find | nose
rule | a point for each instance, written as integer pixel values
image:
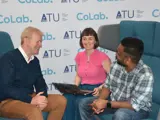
(87, 40)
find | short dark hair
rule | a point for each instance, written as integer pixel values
(133, 47)
(91, 32)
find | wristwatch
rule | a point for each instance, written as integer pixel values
(109, 105)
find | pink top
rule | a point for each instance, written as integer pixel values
(91, 70)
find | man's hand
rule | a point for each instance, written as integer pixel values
(39, 101)
(98, 105)
(42, 106)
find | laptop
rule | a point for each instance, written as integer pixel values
(71, 89)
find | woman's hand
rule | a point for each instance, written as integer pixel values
(96, 91)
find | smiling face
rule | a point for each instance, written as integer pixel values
(88, 42)
(34, 44)
(89, 39)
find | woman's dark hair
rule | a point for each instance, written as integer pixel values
(89, 32)
(133, 47)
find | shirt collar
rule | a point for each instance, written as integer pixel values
(25, 55)
(135, 70)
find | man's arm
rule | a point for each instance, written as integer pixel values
(119, 104)
(106, 88)
(40, 84)
(104, 93)
(7, 77)
(141, 95)
(101, 103)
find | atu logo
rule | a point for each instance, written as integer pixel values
(129, 14)
(14, 19)
(69, 68)
(73, 1)
(35, 1)
(54, 17)
(48, 36)
(55, 53)
(91, 16)
(156, 13)
(48, 71)
(72, 34)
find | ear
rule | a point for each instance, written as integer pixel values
(25, 40)
(129, 60)
(125, 60)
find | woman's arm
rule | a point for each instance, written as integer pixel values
(77, 78)
(106, 65)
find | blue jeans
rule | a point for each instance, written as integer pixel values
(72, 108)
(118, 114)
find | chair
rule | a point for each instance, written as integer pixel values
(5, 46)
(158, 118)
(148, 31)
(5, 43)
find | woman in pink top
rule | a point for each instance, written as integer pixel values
(92, 68)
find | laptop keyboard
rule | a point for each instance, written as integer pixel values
(66, 88)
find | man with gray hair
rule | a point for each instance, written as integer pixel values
(20, 73)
